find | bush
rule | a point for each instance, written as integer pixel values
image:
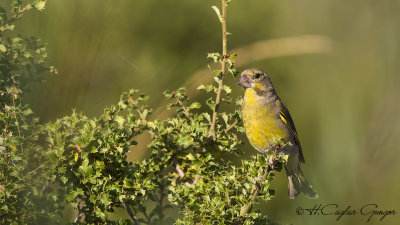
(82, 162)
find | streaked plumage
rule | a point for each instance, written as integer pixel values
(266, 120)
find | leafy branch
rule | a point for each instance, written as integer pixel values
(81, 161)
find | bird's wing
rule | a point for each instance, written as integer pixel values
(287, 119)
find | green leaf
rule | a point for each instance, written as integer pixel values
(207, 116)
(105, 199)
(99, 213)
(39, 5)
(167, 94)
(239, 101)
(128, 183)
(217, 72)
(185, 140)
(201, 87)
(211, 103)
(207, 88)
(215, 56)
(7, 27)
(216, 9)
(225, 117)
(3, 48)
(120, 120)
(234, 72)
(240, 129)
(227, 89)
(64, 179)
(210, 88)
(190, 156)
(27, 112)
(195, 105)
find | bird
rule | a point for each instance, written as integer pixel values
(266, 119)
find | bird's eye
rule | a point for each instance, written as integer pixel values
(257, 75)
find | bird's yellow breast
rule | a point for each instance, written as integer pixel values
(261, 121)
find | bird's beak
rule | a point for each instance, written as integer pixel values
(244, 81)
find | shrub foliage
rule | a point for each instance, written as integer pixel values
(81, 162)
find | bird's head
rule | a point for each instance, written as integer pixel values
(256, 79)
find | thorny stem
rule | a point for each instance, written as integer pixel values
(80, 214)
(17, 123)
(195, 181)
(131, 214)
(145, 214)
(223, 69)
(160, 202)
(227, 197)
(182, 174)
(20, 11)
(141, 116)
(178, 169)
(68, 128)
(185, 110)
(229, 128)
(40, 166)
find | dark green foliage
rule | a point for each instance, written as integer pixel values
(92, 165)
(27, 194)
(82, 162)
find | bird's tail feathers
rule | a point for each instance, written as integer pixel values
(297, 183)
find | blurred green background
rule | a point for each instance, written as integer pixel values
(334, 62)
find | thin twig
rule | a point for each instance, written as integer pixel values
(177, 167)
(134, 102)
(223, 69)
(20, 11)
(160, 201)
(185, 110)
(80, 213)
(131, 214)
(229, 128)
(182, 174)
(189, 184)
(145, 214)
(78, 217)
(228, 199)
(195, 181)
(16, 122)
(141, 116)
(31, 135)
(256, 190)
(36, 169)
(68, 128)
(179, 170)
